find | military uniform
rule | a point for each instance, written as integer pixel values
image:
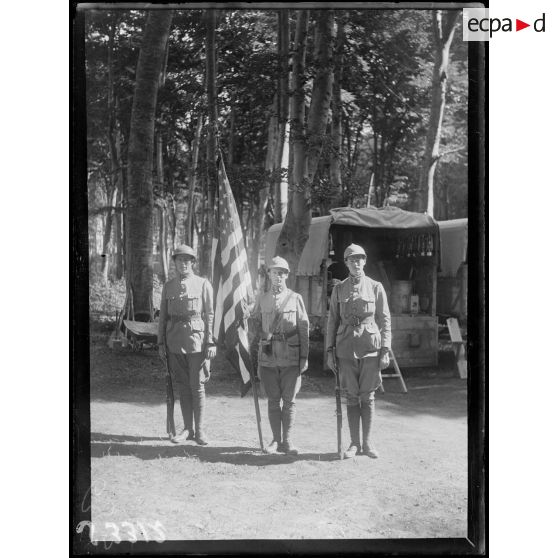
(282, 355)
(186, 325)
(359, 329)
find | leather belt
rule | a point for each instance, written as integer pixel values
(355, 321)
(284, 336)
(178, 319)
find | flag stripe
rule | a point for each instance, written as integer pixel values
(232, 280)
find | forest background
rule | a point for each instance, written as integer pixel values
(309, 109)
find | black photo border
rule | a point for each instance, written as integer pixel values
(477, 407)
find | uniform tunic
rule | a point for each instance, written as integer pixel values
(280, 371)
(186, 315)
(359, 325)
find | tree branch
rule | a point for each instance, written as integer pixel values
(460, 148)
(451, 23)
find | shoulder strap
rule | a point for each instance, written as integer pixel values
(279, 312)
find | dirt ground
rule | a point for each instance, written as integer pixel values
(143, 487)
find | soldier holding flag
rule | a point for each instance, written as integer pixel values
(282, 322)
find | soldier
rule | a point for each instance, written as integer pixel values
(358, 343)
(185, 331)
(281, 319)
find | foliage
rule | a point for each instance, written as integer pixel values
(386, 81)
(106, 300)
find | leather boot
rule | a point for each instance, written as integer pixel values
(353, 418)
(274, 414)
(367, 413)
(187, 413)
(288, 414)
(199, 413)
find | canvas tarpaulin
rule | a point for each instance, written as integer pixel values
(382, 218)
(453, 245)
(317, 246)
(315, 250)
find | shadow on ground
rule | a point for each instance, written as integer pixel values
(445, 398)
(110, 445)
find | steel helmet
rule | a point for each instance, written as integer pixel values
(184, 250)
(354, 250)
(277, 261)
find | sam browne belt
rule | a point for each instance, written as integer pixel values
(355, 321)
(281, 336)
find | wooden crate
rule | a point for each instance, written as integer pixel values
(415, 340)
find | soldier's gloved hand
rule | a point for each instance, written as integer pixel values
(331, 362)
(303, 365)
(210, 352)
(162, 352)
(384, 359)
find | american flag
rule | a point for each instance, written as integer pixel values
(232, 282)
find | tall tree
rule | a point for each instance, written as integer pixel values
(282, 143)
(162, 207)
(294, 232)
(307, 141)
(443, 28)
(321, 90)
(139, 212)
(336, 107)
(210, 86)
(192, 180)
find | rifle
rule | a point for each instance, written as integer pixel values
(255, 388)
(171, 429)
(338, 409)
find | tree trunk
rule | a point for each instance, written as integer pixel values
(356, 149)
(171, 220)
(321, 91)
(111, 186)
(294, 232)
(210, 18)
(192, 181)
(162, 241)
(230, 154)
(263, 197)
(115, 200)
(443, 30)
(120, 244)
(335, 159)
(139, 211)
(281, 184)
(348, 138)
(163, 249)
(380, 175)
(105, 255)
(377, 193)
(118, 235)
(171, 199)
